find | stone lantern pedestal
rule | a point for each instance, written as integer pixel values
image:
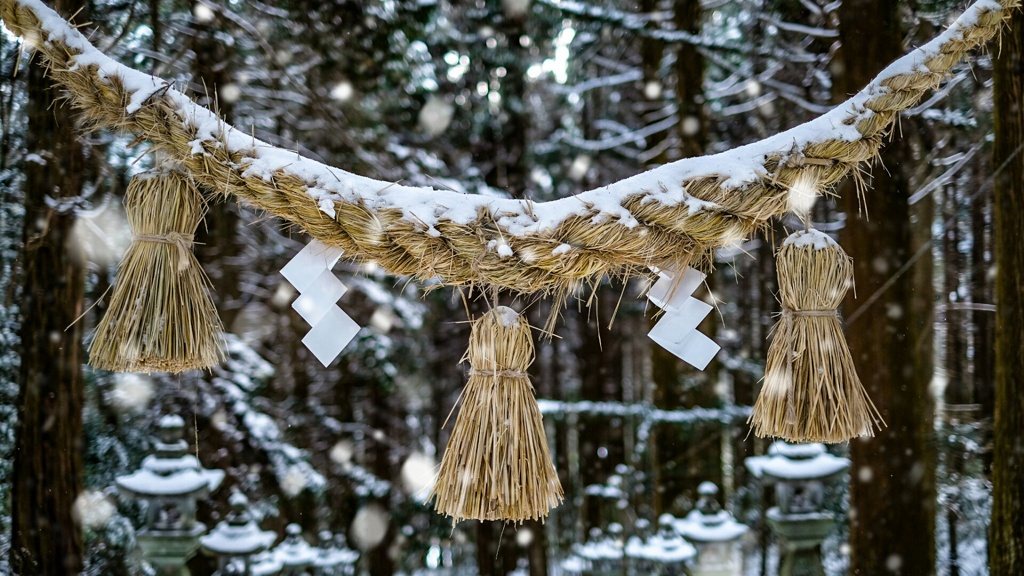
(800, 538)
(167, 552)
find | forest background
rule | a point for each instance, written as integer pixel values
(520, 99)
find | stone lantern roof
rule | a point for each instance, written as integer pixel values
(708, 522)
(294, 552)
(796, 462)
(239, 535)
(170, 471)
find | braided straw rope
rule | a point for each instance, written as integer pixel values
(670, 217)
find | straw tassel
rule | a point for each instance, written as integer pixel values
(161, 316)
(811, 391)
(497, 465)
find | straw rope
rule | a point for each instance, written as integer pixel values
(499, 373)
(648, 226)
(808, 313)
(182, 241)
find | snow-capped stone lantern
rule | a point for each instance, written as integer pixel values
(238, 539)
(333, 557)
(799, 473)
(573, 565)
(294, 554)
(297, 557)
(665, 552)
(602, 552)
(715, 533)
(170, 481)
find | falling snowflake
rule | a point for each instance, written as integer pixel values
(93, 509)
(369, 526)
(435, 116)
(418, 475)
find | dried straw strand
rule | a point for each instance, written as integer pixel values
(497, 465)
(811, 390)
(161, 316)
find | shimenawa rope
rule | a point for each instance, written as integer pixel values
(649, 227)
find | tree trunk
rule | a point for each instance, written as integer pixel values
(1006, 542)
(381, 561)
(675, 469)
(217, 242)
(690, 81)
(599, 353)
(959, 388)
(983, 321)
(892, 502)
(45, 536)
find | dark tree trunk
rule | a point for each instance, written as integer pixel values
(512, 142)
(599, 353)
(675, 469)
(892, 508)
(690, 82)
(485, 556)
(959, 389)
(45, 536)
(217, 244)
(983, 321)
(156, 24)
(1006, 542)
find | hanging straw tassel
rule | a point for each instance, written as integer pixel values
(811, 391)
(497, 465)
(161, 316)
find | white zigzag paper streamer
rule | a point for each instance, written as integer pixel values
(310, 272)
(676, 331)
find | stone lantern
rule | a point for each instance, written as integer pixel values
(297, 558)
(333, 557)
(601, 553)
(799, 473)
(294, 554)
(664, 553)
(238, 539)
(169, 482)
(715, 533)
(573, 565)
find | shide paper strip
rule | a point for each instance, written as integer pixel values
(695, 348)
(669, 294)
(330, 335)
(314, 303)
(309, 263)
(677, 330)
(319, 290)
(678, 323)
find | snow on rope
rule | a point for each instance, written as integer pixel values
(671, 216)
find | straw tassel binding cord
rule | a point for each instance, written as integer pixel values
(497, 465)
(161, 316)
(811, 391)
